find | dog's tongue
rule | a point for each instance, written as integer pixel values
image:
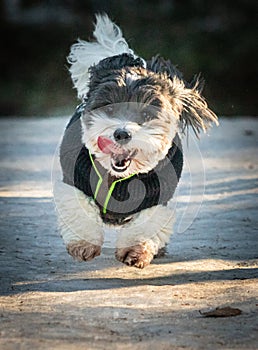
(107, 146)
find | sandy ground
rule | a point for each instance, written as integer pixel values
(48, 301)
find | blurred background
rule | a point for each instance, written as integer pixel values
(217, 38)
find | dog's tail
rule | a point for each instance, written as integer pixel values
(109, 42)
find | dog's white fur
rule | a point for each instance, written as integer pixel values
(80, 223)
(109, 42)
(78, 215)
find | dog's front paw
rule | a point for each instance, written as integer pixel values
(139, 255)
(83, 250)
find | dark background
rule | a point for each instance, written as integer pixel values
(217, 38)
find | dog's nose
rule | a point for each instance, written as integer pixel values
(122, 136)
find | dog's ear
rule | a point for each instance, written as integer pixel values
(195, 110)
(192, 107)
(186, 97)
(158, 64)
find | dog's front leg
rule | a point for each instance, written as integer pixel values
(79, 222)
(145, 236)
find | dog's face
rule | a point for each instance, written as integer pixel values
(133, 114)
(130, 137)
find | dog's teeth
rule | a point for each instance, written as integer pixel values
(121, 165)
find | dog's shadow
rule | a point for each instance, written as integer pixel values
(121, 278)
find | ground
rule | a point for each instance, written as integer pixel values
(48, 301)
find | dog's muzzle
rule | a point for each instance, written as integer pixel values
(120, 158)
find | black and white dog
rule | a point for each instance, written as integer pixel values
(121, 153)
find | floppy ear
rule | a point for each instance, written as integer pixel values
(186, 98)
(194, 110)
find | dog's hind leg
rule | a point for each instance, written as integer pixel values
(79, 222)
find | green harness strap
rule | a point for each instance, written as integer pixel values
(111, 189)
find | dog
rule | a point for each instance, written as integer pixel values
(121, 154)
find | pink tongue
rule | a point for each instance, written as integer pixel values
(108, 146)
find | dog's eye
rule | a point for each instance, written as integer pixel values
(109, 109)
(147, 116)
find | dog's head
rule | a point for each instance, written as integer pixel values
(133, 112)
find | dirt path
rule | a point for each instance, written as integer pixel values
(48, 301)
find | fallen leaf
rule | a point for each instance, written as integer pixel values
(222, 312)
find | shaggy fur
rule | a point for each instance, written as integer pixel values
(132, 112)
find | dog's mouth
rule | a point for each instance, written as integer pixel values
(120, 158)
(120, 162)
